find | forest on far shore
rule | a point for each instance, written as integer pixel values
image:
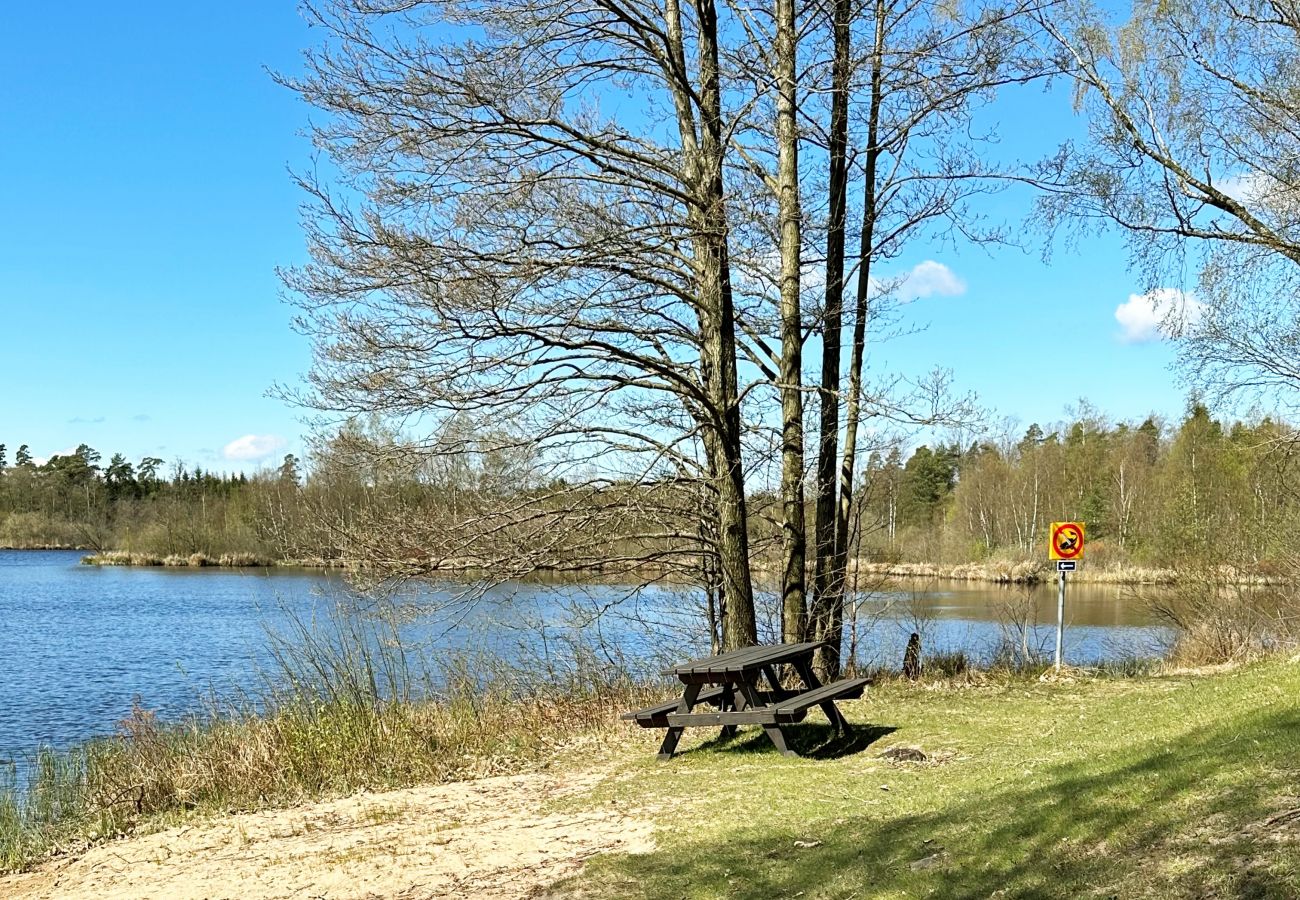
(1152, 494)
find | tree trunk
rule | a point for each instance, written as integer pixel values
(832, 327)
(828, 657)
(739, 626)
(793, 529)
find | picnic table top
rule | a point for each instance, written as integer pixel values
(744, 660)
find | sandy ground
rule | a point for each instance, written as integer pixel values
(490, 838)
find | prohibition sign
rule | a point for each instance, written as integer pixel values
(1067, 540)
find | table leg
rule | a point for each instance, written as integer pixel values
(779, 691)
(669, 746)
(832, 712)
(729, 700)
(773, 679)
(749, 689)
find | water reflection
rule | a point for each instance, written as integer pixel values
(79, 642)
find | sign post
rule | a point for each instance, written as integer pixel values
(1066, 548)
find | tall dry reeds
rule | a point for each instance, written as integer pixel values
(1219, 619)
(344, 708)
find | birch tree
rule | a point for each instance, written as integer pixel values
(1194, 152)
(917, 71)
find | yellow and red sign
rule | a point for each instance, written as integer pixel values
(1066, 541)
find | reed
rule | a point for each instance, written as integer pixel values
(343, 709)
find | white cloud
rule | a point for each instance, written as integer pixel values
(42, 460)
(252, 447)
(925, 279)
(1161, 313)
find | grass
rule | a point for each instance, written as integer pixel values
(346, 709)
(1114, 784)
(1036, 570)
(152, 773)
(1173, 786)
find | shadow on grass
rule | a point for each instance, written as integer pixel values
(1176, 817)
(812, 740)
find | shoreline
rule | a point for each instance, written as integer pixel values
(204, 561)
(579, 810)
(1032, 572)
(1000, 572)
(36, 548)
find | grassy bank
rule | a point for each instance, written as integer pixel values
(10, 545)
(1035, 571)
(305, 745)
(1175, 786)
(994, 572)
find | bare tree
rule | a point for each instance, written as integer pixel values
(794, 530)
(492, 242)
(532, 216)
(767, 148)
(922, 69)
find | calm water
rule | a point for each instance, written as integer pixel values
(78, 643)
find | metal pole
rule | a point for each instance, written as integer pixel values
(1060, 616)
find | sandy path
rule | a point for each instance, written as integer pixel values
(488, 838)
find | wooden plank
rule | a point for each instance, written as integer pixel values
(710, 664)
(691, 665)
(777, 737)
(847, 688)
(775, 654)
(743, 659)
(833, 714)
(653, 716)
(673, 735)
(763, 715)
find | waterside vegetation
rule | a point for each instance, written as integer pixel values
(1196, 800)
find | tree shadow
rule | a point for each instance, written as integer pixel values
(1155, 817)
(810, 740)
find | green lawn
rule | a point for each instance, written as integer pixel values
(1144, 787)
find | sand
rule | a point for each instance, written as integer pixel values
(490, 838)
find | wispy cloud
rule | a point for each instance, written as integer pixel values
(79, 420)
(1158, 314)
(253, 447)
(1247, 187)
(1261, 190)
(141, 417)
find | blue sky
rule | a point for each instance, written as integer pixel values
(147, 202)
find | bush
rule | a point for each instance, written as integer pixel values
(1217, 619)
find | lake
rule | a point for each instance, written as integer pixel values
(79, 643)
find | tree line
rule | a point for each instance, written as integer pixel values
(1200, 492)
(75, 500)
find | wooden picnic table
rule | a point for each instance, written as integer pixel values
(729, 682)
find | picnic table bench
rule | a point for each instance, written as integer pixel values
(729, 683)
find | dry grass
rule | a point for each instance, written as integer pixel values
(299, 751)
(347, 707)
(1218, 621)
(1033, 571)
(232, 560)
